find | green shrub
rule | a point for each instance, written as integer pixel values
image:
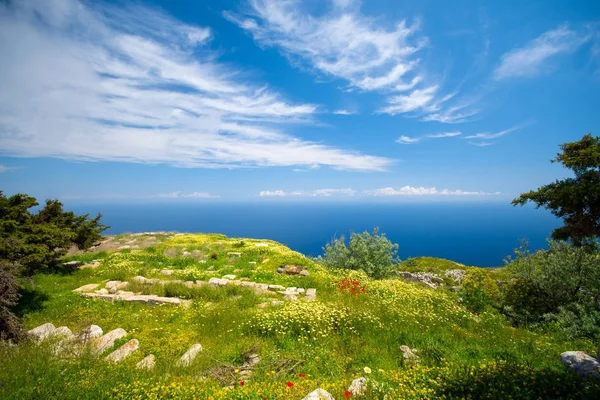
(372, 253)
(479, 290)
(561, 284)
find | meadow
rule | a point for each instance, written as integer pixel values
(354, 328)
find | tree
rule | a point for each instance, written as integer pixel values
(372, 253)
(575, 200)
(32, 243)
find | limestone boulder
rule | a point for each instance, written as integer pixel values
(190, 355)
(108, 340)
(581, 363)
(319, 394)
(147, 363)
(358, 386)
(123, 351)
(42, 332)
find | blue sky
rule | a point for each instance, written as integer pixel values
(293, 100)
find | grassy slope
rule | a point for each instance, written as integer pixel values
(330, 340)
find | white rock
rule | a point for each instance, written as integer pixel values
(167, 272)
(190, 355)
(107, 341)
(42, 331)
(123, 351)
(276, 287)
(64, 332)
(87, 288)
(139, 279)
(319, 394)
(164, 300)
(358, 386)
(581, 363)
(410, 358)
(229, 277)
(262, 244)
(233, 253)
(91, 332)
(147, 363)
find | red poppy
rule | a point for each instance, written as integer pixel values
(347, 394)
(242, 383)
(302, 375)
(289, 384)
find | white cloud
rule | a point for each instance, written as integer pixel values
(422, 191)
(418, 99)
(529, 59)
(407, 140)
(344, 112)
(411, 140)
(313, 193)
(191, 195)
(135, 85)
(489, 135)
(444, 135)
(482, 144)
(341, 42)
(4, 169)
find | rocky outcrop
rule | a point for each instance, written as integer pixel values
(427, 278)
(582, 363)
(319, 394)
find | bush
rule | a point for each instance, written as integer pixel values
(561, 284)
(372, 253)
(10, 327)
(479, 290)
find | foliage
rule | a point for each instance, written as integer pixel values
(479, 290)
(372, 253)
(558, 284)
(10, 327)
(461, 354)
(30, 243)
(37, 241)
(576, 200)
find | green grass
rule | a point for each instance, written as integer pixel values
(329, 341)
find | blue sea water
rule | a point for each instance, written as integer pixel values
(474, 234)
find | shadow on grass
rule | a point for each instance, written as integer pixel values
(31, 300)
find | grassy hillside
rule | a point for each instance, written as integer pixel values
(302, 344)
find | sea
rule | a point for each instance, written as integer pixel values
(478, 234)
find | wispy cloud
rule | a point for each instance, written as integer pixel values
(132, 84)
(411, 140)
(482, 144)
(496, 135)
(191, 195)
(344, 112)
(312, 193)
(4, 168)
(529, 60)
(422, 191)
(366, 52)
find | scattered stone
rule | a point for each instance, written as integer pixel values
(186, 254)
(233, 253)
(311, 294)
(124, 247)
(73, 264)
(262, 244)
(319, 394)
(189, 356)
(139, 279)
(455, 288)
(123, 351)
(457, 274)
(277, 303)
(248, 284)
(164, 300)
(252, 262)
(409, 356)
(91, 332)
(300, 290)
(290, 269)
(290, 297)
(261, 287)
(87, 288)
(92, 265)
(167, 272)
(275, 287)
(263, 305)
(189, 284)
(304, 272)
(122, 295)
(102, 291)
(64, 332)
(108, 340)
(427, 278)
(217, 282)
(230, 277)
(581, 363)
(358, 386)
(147, 363)
(42, 332)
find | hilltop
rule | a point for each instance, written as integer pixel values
(271, 323)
